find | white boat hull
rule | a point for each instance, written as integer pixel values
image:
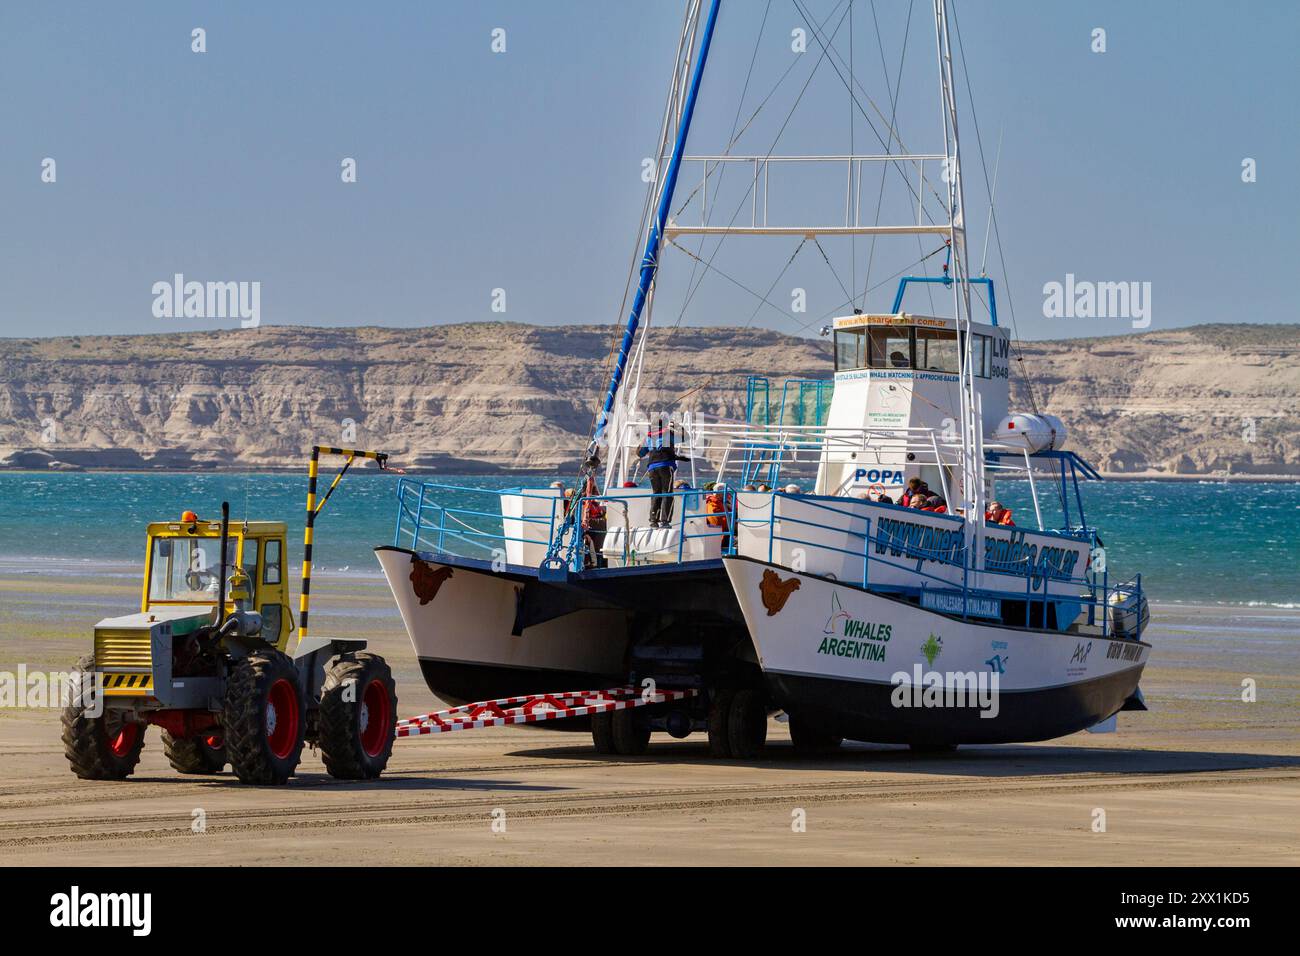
(463, 627)
(833, 653)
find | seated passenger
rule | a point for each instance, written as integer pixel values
(792, 489)
(898, 360)
(917, 501)
(996, 514)
(936, 504)
(763, 488)
(915, 486)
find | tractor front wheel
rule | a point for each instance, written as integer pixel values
(204, 754)
(357, 722)
(103, 747)
(264, 719)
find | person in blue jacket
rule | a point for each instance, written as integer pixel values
(660, 453)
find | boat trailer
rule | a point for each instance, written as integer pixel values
(534, 708)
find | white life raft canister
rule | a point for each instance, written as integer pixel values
(1035, 432)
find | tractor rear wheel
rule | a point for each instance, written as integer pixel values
(747, 724)
(203, 754)
(630, 737)
(357, 722)
(264, 718)
(106, 747)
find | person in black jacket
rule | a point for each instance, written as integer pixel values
(660, 453)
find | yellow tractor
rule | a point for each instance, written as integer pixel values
(207, 659)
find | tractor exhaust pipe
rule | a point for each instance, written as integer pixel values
(221, 583)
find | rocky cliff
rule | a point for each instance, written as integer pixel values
(1213, 399)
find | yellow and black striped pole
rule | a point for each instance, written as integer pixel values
(313, 509)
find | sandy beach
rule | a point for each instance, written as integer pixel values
(1203, 778)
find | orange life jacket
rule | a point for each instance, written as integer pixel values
(717, 511)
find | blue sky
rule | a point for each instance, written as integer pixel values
(521, 170)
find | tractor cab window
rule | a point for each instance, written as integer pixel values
(271, 562)
(250, 565)
(187, 569)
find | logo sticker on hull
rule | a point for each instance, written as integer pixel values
(1079, 660)
(426, 580)
(932, 648)
(776, 592)
(850, 637)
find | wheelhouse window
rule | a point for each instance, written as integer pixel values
(981, 358)
(936, 351)
(873, 348)
(891, 347)
(850, 349)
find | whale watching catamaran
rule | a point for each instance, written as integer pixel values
(838, 603)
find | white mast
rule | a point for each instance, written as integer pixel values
(972, 484)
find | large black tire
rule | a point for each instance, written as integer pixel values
(195, 754)
(602, 733)
(631, 738)
(811, 740)
(356, 736)
(106, 747)
(719, 713)
(264, 718)
(747, 724)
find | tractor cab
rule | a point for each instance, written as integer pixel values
(183, 562)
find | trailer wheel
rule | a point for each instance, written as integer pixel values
(106, 747)
(602, 733)
(630, 738)
(746, 724)
(356, 735)
(200, 755)
(811, 740)
(719, 711)
(264, 718)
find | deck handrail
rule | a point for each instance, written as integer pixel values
(427, 518)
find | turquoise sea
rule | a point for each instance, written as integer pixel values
(1194, 543)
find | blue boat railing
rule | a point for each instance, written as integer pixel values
(425, 523)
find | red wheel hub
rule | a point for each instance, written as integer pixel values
(282, 718)
(120, 743)
(375, 722)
